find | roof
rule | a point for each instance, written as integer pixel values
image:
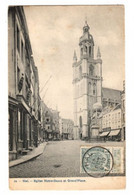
(113, 94)
(117, 107)
(108, 110)
(88, 37)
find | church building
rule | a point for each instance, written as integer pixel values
(89, 95)
(87, 83)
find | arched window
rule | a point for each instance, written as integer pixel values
(89, 51)
(94, 89)
(91, 68)
(89, 88)
(80, 121)
(80, 72)
(85, 49)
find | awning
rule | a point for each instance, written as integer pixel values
(104, 134)
(114, 132)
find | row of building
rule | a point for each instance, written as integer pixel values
(30, 120)
(108, 123)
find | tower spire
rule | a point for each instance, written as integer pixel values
(98, 53)
(86, 20)
(86, 27)
(75, 56)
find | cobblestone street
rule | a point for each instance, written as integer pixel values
(59, 159)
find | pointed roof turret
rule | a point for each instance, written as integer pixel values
(86, 34)
(86, 27)
(98, 53)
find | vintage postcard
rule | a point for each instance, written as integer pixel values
(66, 97)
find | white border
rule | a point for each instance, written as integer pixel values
(129, 26)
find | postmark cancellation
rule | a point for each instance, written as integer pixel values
(99, 161)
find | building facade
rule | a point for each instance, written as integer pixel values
(110, 124)
(66, 129)
(49, 123)
(112, 119)
(23, 90)
(87, 83)
(55, 124)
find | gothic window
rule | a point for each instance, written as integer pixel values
(80, 72)
(89, 88)
(80, 121)
(94, 89)
(85, 49)
(91, 68)
(89, 51)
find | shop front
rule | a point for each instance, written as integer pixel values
(12, 128)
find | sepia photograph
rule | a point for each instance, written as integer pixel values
(66, 96)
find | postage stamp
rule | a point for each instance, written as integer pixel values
(99, 161)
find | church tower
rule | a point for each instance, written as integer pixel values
(87, 83)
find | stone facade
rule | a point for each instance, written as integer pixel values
(112, 118)
(23, 82)
(87, 83)
(66, 128)
(50, 123)
(55, 124)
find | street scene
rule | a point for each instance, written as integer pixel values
(56, 161)
(66, 88)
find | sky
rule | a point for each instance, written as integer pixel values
(54, 34)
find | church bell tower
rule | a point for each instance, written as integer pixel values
(86, 43)
(87, 83)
